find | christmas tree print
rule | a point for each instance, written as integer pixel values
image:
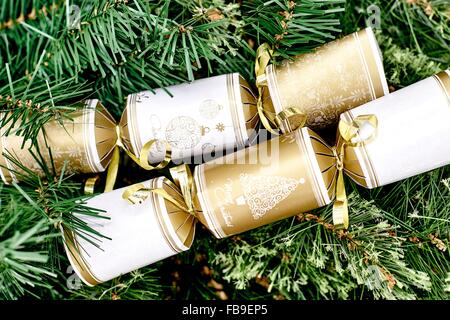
(262, 193)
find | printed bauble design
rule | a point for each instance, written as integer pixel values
(209, 109)
(262, 193)
(183, 133)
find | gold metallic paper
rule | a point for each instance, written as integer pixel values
(249, 107)
(182, 222)
(85, 142)
(444, 80)
(336, 77)
(265, 183)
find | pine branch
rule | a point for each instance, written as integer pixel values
(129, 47)
(23, 259)
(30, 216)
(28, 30)
(420, 25)
(293, 27)
(404, 66)
(26, 105)
(142, 284)
(336, 264)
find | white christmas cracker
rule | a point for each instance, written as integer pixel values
(412, 137)
(205, 116)
(140, 234)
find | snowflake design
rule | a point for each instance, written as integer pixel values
(60, 153)
(220, 127)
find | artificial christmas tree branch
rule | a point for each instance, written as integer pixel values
(30, 216)
(293, 27)
(32, 103)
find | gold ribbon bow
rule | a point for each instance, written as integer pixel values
(287, 120)
(360, 131)
(183, 183)
(142, 161)
(180, 193)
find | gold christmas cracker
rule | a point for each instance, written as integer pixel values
(334, 78)
(85, 142)
(290, 174)
(245, 190)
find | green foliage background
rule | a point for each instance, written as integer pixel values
(397, 245)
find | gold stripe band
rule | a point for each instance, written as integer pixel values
(233, 110)
(207, 209)
(133, 124)
(158, 213)
(443, 79)
(303, 149)
(87, 134)
(78, 262)
(372, 178)
(369, 61)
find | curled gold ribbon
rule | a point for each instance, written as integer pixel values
(358, 132)
(90, 183)
(287, 120)
(263, 55)
(142, 161)
(183, 182)
(113, 168)
(183, 178)
(290, 120)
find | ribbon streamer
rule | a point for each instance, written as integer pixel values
(357, 133)
(142, 161)
(183, 183)
(90, 183)
(287, 120)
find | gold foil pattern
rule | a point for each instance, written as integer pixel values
(334, 78)
(181, 223)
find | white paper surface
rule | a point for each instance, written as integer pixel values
(198, 118)
(413, 133)
(137, 240)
